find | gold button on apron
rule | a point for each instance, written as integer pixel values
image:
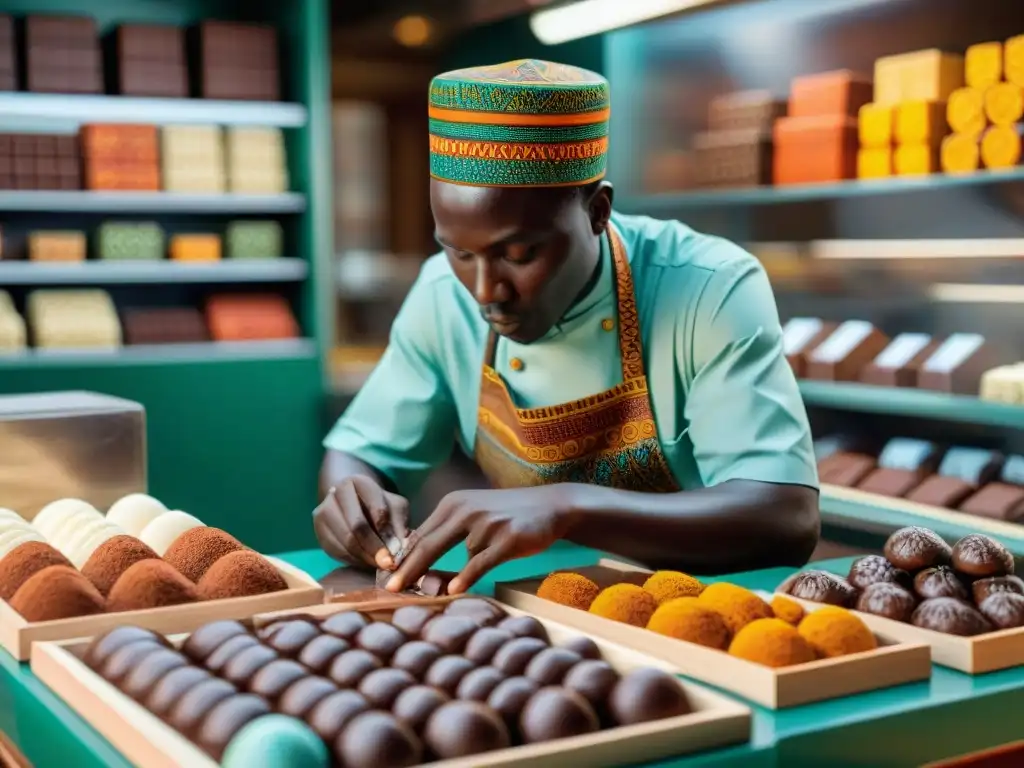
(516, 364)
(608, 324)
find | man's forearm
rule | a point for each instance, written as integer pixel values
(338, 465)
(735, 526)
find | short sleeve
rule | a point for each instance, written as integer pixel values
(403, 420)
(746, 416)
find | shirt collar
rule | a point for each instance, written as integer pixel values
(599, 291)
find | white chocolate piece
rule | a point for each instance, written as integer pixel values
(54, 515)
(134, 512)
(81, 550)
(74, 529)
(10, 517)
(161, 533)
(81, 534)
(13, 538)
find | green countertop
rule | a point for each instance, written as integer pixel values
(901, 727)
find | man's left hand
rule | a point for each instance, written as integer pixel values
(497, 525)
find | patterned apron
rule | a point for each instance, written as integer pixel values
(607, 439)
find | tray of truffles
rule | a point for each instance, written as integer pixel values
(964, 600)
(455, 681)
(75, 572)
(774, 652)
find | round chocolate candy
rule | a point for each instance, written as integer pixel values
(1004, 609)
(524, 626)
(550, 665)
(267, 632)
(584, 646)
(381, 639)
(345, 625)
(172, 687)
(416, 657)
(509, 698)
(240, 670)
(950, 616)
(593, 679)
(301, 696)
(915, 548)
(319, 652)
(290, 639)
(887, 599)
(647, 694)
(382, 686)
(449, 633)
(274, 678)
(940, 581)
(478, 684)
(447, 672)
(820, 587)
(332, 713)
(352, 666)
(140, 681)
(872, 569)
(209, 637)
(412, 618)
(127, 658)
(484, 612)
(982, 588)
(979, 557)
(374, 739)
(415, 705)
(514, 655)
(196, 702)
(226, 719)
(556, 713)
(464, 728)
(227, 650)
(104, 645)
(485, 643)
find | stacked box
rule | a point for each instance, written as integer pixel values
(13, 335)
(238, 61)
(123, 241)
(173, 325)
(250, 318)
(839, 92)
(78, 319)
(930, 75)
(193, 158)
(121, 157)
(195, 248)
(254, 240)
(256, 161)
(56, 246)
(736, 150)
(62, 55)
(8, 55)
(39, 161)
(1013, 60)
(150, 61)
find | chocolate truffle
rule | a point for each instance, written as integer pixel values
(240, 670)
(240, 574)
(274, 678)
(57, 592)
(940, 581)
(290, 639)
(226, 719)
(126, 658)
(872, 569)
(300, 697)
(982, 588)
(584, 646)
(914, 548)
(592, 679)
(447, 672)
(556, 713)
(479, 683)
(524, 626)
(950, 616)
(464, 728)
(484, 612)
(514, 655)
(449, 633)
(509, 698)
(23, 562)
(820, 587)
(1004, 609)
(979, 557)
(416, 657)
(375, 739)
(112, 558)
(102, 646)
(352, 666)
(382, 686)
(381, 639)
(189, 711)
(209, 637)
(647, 694)
(150, 584)
(412, 618)
(415, 705)
(150, 670)
(345, 625)
(485, 643)
(887, 599)
(319, 652)
(332, 713)
(173, 686)
(197, 549)
(550, 665)
(227, 650)
(266, 632)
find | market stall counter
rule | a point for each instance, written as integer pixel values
(907, 725)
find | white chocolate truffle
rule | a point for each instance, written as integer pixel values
(9, 515)
(12, 538)
(81, 547)
(54, 516)
(134, 512)
(161, 533)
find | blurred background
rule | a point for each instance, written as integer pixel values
(215, 208)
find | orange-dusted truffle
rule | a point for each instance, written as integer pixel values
(23, 562)
(240, 574)
(771, 642)
(737, 605)
(57, 592)
(686, 618)
(150, 584)
(788, 610)
(194, 551)
(570, 589)
(834, 631)
(112, 558)
(668, 585)
(627, 603)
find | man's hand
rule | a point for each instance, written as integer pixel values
(357, 518)
(496, 525)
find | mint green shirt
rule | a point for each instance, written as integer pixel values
(725, 400)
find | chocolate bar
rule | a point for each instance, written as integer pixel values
(745, 110)
(174, 325)
(844, 354)
(150, 61)
(938, 491)
(62, 55)
(895, 483)
(903, 465)
(899, 363)
(957, 365)
(237, 61)
(39, 161)
(846, 469)
(8, 55)
(737, 158)
(1000, 501)
(800, 337)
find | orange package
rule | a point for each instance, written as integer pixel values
(195, 248)
(841, 92)
(815, 149)
(250, 318)
(120, 143)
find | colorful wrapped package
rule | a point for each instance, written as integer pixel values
(120, 241)
(254, 240)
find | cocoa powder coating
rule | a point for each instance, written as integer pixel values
(57, 592)
(150, 584)
(197, 549)
(112, 558)
(23, 562)
(240, 574)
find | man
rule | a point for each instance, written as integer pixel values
(619, 380)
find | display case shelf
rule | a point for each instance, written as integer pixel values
(147, 202)
(164, 354)
(285, 270)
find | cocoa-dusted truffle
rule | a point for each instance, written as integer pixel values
(23, 562)
(887, 599)
(197, 549)
(940, 581)
(332, 713)
(240, 574)
(274, 678)
(821, 587)
(584, 646)
(569, 589)
(102, 646)
(226, 719)
(479, 683)
(647, 694)
(173, 686)
(524, 626)
(415, 705)
(57, 592)
(1004, 609)
(872, 569)
(301, 696)
(447, 672)
(373, 739)
(980, 557)
(210, 637)
(382, 686)
(196, 702)
(411, 619)
(485, 643)
(484, 612)
(150, 584)
(950, 616)
(227, 650)
(416, 657)
(319, 652)
(291, 638)
(381, 639)
(464, 728)
(126, 658)
(345, 625)
(514, 655)
(140, 681)
(550, 665)
(112, 558)
(915, 548)
(982, 588)
(556, 713)
(352, 666)
(592, 679)
(509, 698)
(449, 633)
(240, 670)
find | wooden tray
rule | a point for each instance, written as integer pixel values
(896, 660)
(148, 743)
(17, 634)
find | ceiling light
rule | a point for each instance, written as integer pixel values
(591, 17)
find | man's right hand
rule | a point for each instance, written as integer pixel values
(355, 521)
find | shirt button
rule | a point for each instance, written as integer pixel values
(516, 364)
(608, 324)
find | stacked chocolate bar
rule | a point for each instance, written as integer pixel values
(171, 325)
(249, 318)
(121, 157)
(8, 55)
(238, 61)
(193, 158)
(62, 55)
(150, 61)
(39, 161)
(256, 161)
(736, 151)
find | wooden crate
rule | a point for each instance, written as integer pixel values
(896, 660)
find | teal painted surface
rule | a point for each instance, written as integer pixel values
(900, 727)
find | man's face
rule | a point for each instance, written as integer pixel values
(525, 254)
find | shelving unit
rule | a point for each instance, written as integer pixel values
(165, 354)
(116, 203)
(285, 270)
